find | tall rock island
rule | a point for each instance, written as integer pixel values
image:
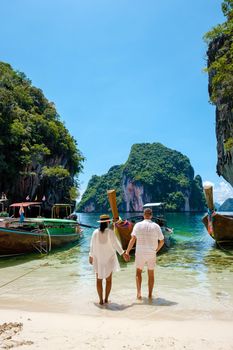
(38, 157)
(152, 173)
(220, 69)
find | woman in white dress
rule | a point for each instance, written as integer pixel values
(102, 256)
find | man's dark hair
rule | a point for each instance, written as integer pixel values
(147, 211)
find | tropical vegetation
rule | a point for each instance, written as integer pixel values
(220, 68)
(37, 152)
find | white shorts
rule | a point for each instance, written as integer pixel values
(142, 260)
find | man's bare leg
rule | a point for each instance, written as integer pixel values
(139, 283)
(99, 287)
(151, 279)
(108, 287)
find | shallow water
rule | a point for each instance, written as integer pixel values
(193, 279)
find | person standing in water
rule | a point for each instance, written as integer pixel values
(103, 257)
(149, 240)
(21, 214)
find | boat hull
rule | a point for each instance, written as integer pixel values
(222, 227)
(17, 242)
(123, 231)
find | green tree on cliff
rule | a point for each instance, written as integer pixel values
(221, 67)
(36, 149)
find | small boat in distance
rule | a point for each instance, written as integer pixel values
(158, 217)
(123, 228)
(219, 226)
(158, 210)
(35, 234)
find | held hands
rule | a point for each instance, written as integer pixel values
(126, 257)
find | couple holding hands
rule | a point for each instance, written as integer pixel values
(104, 245)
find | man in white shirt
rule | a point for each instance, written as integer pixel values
(149, 240)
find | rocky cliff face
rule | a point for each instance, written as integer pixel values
(134, 195)
(32, 183)
(223, 99)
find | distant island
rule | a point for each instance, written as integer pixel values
(227, 205)
(152, 173)
(217, 206)
(38, 156)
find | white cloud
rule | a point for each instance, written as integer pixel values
(221, 191)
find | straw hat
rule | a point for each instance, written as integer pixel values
(104, 218)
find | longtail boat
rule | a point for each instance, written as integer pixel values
(24, 235)
(123, 228)
(39, 235)
(219, 226)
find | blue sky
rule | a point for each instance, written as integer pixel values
(120, 72)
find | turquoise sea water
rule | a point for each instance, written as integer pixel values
(193, 278)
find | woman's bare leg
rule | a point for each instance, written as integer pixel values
(108, 287)
(99, 286)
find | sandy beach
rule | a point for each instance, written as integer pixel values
(63, 313)
(40, 311)
(34, 330)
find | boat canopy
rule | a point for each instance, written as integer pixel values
(153, 205)
(61, 210)
(24, 204)
(31, 208)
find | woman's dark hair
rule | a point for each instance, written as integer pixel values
(103, 226)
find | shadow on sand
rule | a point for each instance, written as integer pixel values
(143, 301)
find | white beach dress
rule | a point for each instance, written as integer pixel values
(103, 249)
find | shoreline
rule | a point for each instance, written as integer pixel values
(39, 330)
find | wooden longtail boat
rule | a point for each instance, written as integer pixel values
(219, 226)
(39, 235)
(23, 235)
(123, 228)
